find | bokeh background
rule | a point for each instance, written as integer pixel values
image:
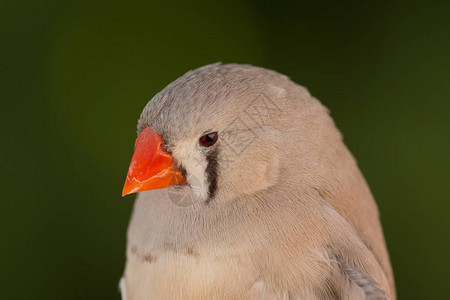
(74, 76)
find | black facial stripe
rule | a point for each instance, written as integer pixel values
(212, 171)
(183, 171)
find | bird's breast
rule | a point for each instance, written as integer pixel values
(186, 274)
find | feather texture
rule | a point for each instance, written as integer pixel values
(278, 208)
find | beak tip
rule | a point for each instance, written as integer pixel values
(127, 188)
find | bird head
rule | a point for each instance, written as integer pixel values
(216, 133)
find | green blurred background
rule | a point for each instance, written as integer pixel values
(75, 75)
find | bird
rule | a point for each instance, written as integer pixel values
(246, 190)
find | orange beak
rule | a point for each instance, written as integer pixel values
(151, 167)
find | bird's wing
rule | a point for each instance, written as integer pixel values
(348, 268)
(351, 281)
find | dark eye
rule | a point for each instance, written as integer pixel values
(208, 139)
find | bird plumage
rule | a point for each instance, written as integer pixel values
(277, 209)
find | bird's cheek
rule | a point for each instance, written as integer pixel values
(259, 172)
